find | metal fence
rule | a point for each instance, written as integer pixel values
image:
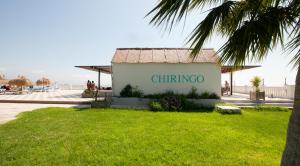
(273, 92)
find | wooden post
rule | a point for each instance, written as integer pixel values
(231, 75)
(98, 88)
(99, 71)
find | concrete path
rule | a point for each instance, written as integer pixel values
(52, 97)
(9, 111)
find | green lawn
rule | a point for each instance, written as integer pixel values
(61, 136)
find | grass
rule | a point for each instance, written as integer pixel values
(64, 136)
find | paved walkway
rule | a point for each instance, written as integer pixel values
(246, 97)
(58, 96)
(9, 111)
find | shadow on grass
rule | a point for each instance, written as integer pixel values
(82, 109)
(202, 110)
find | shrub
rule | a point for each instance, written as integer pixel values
(129, 91)
(126, 91)
(189, 105)
(213, 96)
(171, 103)
(255, 81)
(136, 92)
(204, 95)
(155, 106)
(193, 93)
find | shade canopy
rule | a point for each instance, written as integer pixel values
(3, 82)
(20, 81)
(102, 69)
(224, 69)
(229, 69)
(2, 77)
(43, 81)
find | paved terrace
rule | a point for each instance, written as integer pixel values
(244, 100)
(74, 97)
(245, 97)
(55, 97)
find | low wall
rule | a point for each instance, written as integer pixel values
(71, 87)
(132, 102)
(272, 92)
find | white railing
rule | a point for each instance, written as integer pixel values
(71, 87)
(277, 92)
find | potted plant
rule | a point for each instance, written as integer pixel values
(257, 94)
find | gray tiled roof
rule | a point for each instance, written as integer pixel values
(163, 55)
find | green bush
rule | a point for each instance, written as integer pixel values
(155, 106)
(136, 92)
(255, 81)
(178, 103)
(189, 105)
(213, 96)
(171, 103)
(126, 91)
(129, 91)
(204, 95)
(193, 93)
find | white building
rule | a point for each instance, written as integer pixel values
(157, 70)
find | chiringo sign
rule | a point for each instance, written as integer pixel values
(177, 78)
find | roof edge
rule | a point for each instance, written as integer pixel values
(161, 48)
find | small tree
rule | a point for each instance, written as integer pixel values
(256, 82)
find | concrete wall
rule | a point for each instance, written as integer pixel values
(142, 76)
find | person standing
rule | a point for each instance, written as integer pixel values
(93, 85)
(88, 85)
(227, 87)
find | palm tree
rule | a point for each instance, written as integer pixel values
(251, 28)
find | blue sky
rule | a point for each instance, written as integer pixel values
(49, 37)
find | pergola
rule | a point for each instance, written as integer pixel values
(231, 69)
(224, 69)
(99, 69)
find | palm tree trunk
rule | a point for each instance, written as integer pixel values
(291, 154)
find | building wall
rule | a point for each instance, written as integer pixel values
(158, 78)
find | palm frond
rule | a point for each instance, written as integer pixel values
(252, 27)
(255, 38)
(207, 26)
(168, 12)
(294, 45)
